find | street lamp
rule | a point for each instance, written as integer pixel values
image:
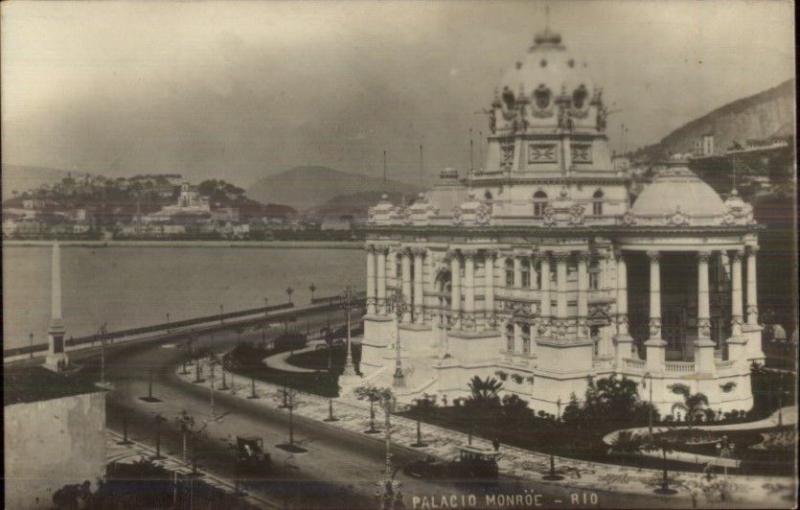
(266, 300)
(346, 303)
(397, 301)
(30, 341)
(645, 377)
(289, 292)
(312, 288)
(221, 311)
(389, 495)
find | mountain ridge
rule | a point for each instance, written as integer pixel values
(309, 187)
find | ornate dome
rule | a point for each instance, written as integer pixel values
(548, 71)
(677, 192)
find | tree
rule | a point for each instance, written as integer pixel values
(693, 404)
(484, 391)
(573, 414)
(372, 394)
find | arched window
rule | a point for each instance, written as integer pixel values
(509, 273)
(525, 271)
(539, 203)
(597, 203)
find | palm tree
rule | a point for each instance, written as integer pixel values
(693, 403)
(484, 391)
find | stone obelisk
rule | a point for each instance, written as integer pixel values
(56, 356)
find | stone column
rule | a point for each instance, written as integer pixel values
(469, 286)
(623, 339)
(455, 288)
(371, 283)
(655, 344)
(406, 279)
(545, 290)
(736, 294)
(704, 347)
(531, 261)
(517, 272)
(381, 280)
(517, 338)
(561, 293)
(752, 296)
(488, 266)
(583, 293)
(419, 297)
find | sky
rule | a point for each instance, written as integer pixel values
(240, 90)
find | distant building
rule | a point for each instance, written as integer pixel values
(57, 426)
(340, 223)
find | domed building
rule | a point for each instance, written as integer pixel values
(540, 268)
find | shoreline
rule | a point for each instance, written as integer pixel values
(336, 245)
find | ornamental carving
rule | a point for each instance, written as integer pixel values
(483, 214)
(549, 217)
(576, 213)
(678, 218)
(581, 153)
(704, 328)
(542, 153)
(506, 156)
(629, 219)
(457, 219)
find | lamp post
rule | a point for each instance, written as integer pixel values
(289, 292)
(221, 311)
(397, 301)
(346, 303)
(168, 330)
(266, 300)
(649, 376)
(389, 495)
(558, 405)
(312, 288)
(30, 341)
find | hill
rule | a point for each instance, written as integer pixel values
(764, 115)
(306, 187)
(25, 178)
(354, 205)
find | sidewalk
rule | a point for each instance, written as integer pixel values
(353, 415)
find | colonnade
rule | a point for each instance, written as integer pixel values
(464, 309)
(704, 346)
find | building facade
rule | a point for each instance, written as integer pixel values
(540, 266)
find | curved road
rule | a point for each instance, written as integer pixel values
(340, 468)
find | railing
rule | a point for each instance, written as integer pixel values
(636, 364)
(603, 364)
(683, 367)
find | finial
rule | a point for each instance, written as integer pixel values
(547, 17)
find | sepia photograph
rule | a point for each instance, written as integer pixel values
(428, 255)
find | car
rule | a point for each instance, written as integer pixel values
(472, 463)
(251, 458)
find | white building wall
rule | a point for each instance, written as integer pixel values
(55, 442)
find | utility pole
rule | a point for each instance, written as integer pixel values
(471, 159)
(421, 167)
(384, 166)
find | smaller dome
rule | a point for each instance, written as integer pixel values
(678, 189)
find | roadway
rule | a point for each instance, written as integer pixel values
(340, 468)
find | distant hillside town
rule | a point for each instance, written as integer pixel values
(152, 206)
